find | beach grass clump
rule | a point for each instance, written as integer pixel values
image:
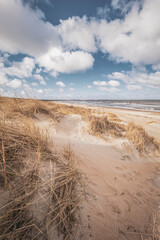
(66, 110)
(11, 108)
(22, 149)
(18, 140)
(64, 197)
(38, 185)
(101, 126)
(140, 138)
(113, 117)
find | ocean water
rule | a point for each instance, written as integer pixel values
(143, 105)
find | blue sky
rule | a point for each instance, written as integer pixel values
(72, 49)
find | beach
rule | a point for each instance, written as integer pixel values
(119, 184)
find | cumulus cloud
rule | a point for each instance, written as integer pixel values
(100, 83)
(60, 84)
(138, 77)
(40, 91)
(134, 39)
(41, 39)
(40, 79)
(66, 62)
(77, 32)
(111, 83)
(20, 69)
(104, 86)
(23, 30)
(38, 70)
(16, 83)
(134, 87)
(34, 84)
(71, 89)
(68, 47)
(156, 67)
(3, 78)
(103, 12)
(107, 89)
(114, 83)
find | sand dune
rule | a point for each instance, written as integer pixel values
(119, 186)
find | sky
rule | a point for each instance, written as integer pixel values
(80, 49)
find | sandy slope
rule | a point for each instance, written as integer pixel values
(149, 120)
(121, 189)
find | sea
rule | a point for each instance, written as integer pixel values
(141, 105)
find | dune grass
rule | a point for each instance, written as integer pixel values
(101, 126)
(113, 118)
(142, 141)
(11, 108)
(38, 185)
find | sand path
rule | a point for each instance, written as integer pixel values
(121, 190)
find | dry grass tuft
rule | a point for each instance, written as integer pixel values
(142, 141)
(38, 186)
(12, 108)
(64, 196)
(113, 118)
(18, 141)
(102, 126)
(22, 150)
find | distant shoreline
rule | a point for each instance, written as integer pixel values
(85, 104)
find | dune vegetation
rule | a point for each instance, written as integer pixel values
(37, 183)
(140, 138)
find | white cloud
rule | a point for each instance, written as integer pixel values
(65, 48)
(23, 30)
(60, 84)
(16, 83)
(134, 87)
(71, 89)
(89, 86)
(103, 12)
(134, 39)
(66, 62)
(117, 75)
(38, 70)
(40, 91)
(115, 3)
(156, 67)
(3, 78)
(77, 32)
(41, 40)
(114, 83)
(106, 89)
(136, 77)
(34, 84)
(40, 78)
(20, 69)
(1, 90)
(100, 83)
(43, 82)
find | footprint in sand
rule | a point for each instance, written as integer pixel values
(126, 158)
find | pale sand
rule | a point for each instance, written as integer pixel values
(121, 189)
